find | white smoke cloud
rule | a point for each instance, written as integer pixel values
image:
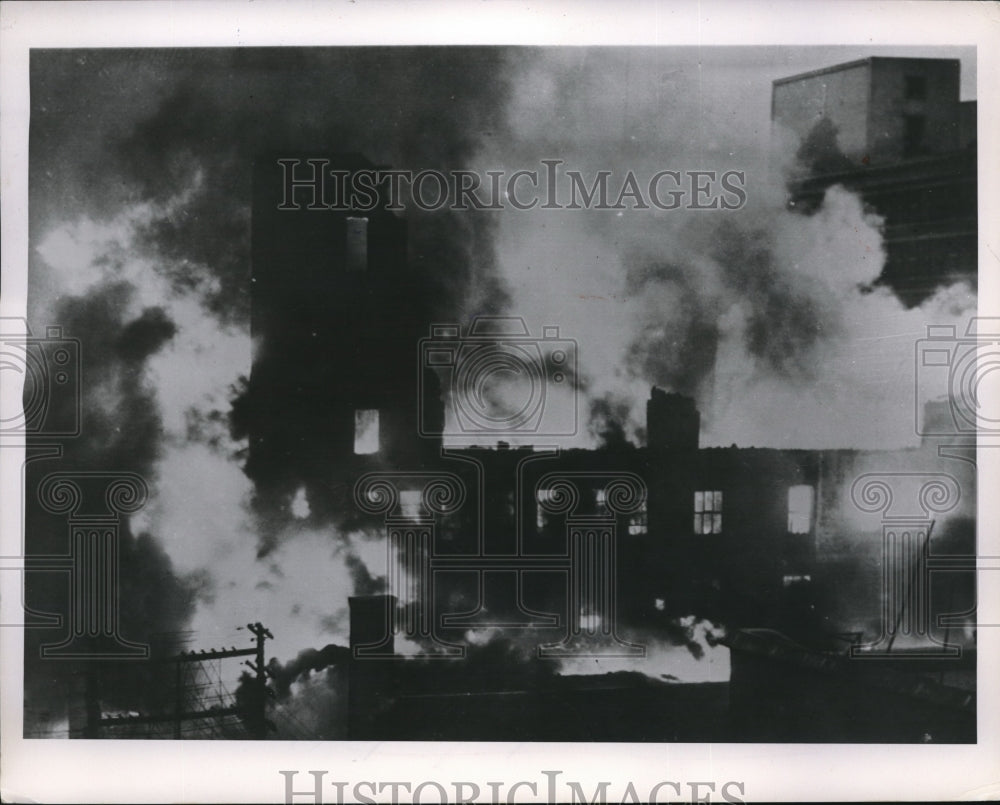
(665, 661)
(199, 506)
(765, 315)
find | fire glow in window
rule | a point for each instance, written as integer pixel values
(365, 431)
(541, 517)
(708, 512)
(411, 504)
(638, 521)
(800, 509)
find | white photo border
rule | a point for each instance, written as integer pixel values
(165, 771)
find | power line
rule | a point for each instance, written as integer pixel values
(200, 695)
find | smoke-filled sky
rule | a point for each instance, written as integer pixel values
(140, 246)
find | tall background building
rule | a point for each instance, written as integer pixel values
(337, 315)
(896, 131)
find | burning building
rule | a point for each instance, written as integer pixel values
(525, 585)
(509, 568)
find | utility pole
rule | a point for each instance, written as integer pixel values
(178, 698)
(259, 725)
(252, 711)
(93, 705)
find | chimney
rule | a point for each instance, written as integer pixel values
(371, 622)
(672, 421)
(945, 424)
(370, 680)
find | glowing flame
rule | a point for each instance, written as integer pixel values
(702, 660)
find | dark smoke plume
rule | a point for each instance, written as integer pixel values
(120, 433)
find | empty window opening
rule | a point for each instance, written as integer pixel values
(300, 504)
(365, 431)
(708, 512)
(638, 521)
(541, 516)
(411, 503)
(800, 509)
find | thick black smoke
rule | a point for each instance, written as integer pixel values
(200, 118)
(607, 417)
(206, 115)
(788, 314)
(159, 145)
(675, 344)
(676, 336)
(120, 432)
(308, 661)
